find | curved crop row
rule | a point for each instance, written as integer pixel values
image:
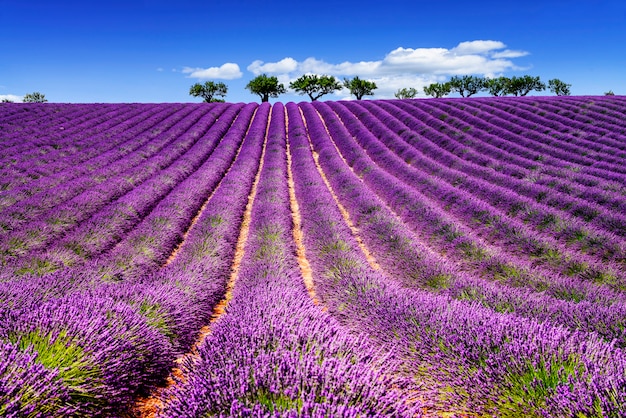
(413, 265)
(457, 343)
(393, 257)
(271, 325)
(77, 145)
(98, 227)
(467, 134)
(73, 169)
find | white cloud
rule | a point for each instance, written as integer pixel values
(11, 97)
(473, 57)
(507, 53)
(441, 61)
(404, 67)
(476, 47)
(228, 71)
(286, 65)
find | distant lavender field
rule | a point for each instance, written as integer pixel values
(364, 258)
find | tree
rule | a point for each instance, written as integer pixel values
(609, 93)
(498, 86)
(266, 87)
(521, 86)
(5, 100)
(360, 87)
(209, 90)
(35, 97)
(467, 85)
(438, 90)
(406, 93)
(559, 87)
(315, 86)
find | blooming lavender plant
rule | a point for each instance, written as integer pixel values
(411, 264)
(513, 364)
(274, 353)
(106, 227)
(466, 258)
(28, 388)
(81, 158)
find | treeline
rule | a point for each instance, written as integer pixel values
(313, 85)
(35, 97)
(316, 86)
(468, 85)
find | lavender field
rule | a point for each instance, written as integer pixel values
(440, 257)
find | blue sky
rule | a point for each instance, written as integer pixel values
(154, 50)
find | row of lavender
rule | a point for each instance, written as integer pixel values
(520, 361)
(457, 318)
(420, 261)
(508, 355)
(106, 331)
(89, 339)
(82, 183)
(43, 148)
(274, 353)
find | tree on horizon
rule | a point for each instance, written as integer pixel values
(266, 87)
(406, 93)
(359, 87)
(438, 90)
(209, 90)
(35, 97)
(315, 86)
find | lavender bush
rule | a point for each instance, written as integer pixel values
(467, 257)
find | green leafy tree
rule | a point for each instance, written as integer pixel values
(315, 85)
(498, 86)
(209, 90)
(406, 93)
(35, 97)
(559, 87)
(5, 100)
(609, 93)
(467, 85)
(266, 87)
(438, 90)
(359, 87)
(521, 86)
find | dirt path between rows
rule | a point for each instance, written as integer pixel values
(298, 236)
(344, 213)
(151, 406)
(194, 220)
(416, 396)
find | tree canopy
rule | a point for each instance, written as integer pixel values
(209, 90)
(558, 87)
(497, 86)
(521, 86)
(266, 87)
(467, 85)
(438, 90)
(315, 85)
(35, 97)
(359, 87)
(406, 93)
